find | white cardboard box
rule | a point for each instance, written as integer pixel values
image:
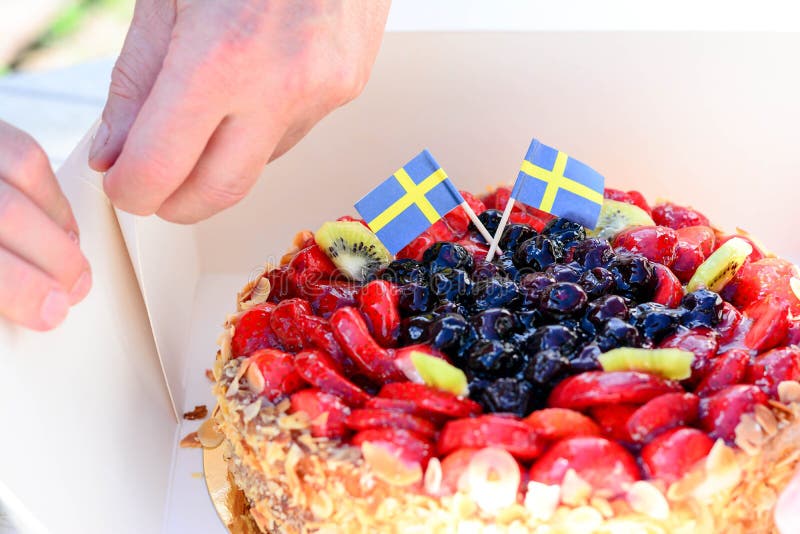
(89, 434)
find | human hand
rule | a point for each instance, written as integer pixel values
(787, 510)
(42, 269)
(206, 92)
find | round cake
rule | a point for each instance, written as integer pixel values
(638, 377)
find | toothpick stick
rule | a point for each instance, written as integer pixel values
(478, 224)
(493, 249)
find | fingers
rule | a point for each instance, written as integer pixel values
(28, 296)
(230, 165)
(132, 78)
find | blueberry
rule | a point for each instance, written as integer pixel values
(495, 323)
(505, 262)
(506, 395)
(536, 281)
(404, 271)
(450, 307)
(529, 319)
(414, 298)
(600, 310)
(447, 331)
(617, 333)
(585, 359)
(451, 284)
(565, 231)
(444, 255)
(514, 234)
(491, 358)
(556, 337)
(634, 276)
(546, 367)
(564, 273)
(494, 293)
(483, 271)
(490, 220)
(591, 253)
(597, 282)
(415, 329)
(537, 253)
(655, 321)
(704, 309)
(562, 299)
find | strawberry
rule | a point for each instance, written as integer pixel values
(454, 466)
(403, 444)
(793, 335)
(613, 419)
(285, 322)
(720, 413)
(554, 424)
(773, 367)
(669, 290)
(309, 267)
(378, 302)
(535, 221)
(674, 216)
(770, 323)
(656, 243)
(458, 220)
(367, 418)
(441, 231)
(499, 198)
(394, 405)
(277, 371)
(281, 286)
(417, 247)
(757, 253)
(702, 237)
(703, 343)
(756, 280)
(318, 331)
(350, 330)
(477, 249)
(672, 454)
(329, 295)
(253, 331)
(351, 218)
(430, 400)
(637, 199)
(598, 387)
(662, 413)
(508, 433)
(316, 403)
(726, 369)
(602, 463)
(629, 197)
(688, 258)
(318, 369)
(728, 325)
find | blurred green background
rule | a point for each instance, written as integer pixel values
(47, 34)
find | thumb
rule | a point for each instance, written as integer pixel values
(133, 76)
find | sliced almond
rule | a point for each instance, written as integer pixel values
(646, 499)
(259, 294)
(251, 410)
(766, 419)
(494, 478)
(789, 391)
(541, 500)
(433, 477)
(190, 441)
(388, 467)
(209, 435)
(575, 491)
(255, 379)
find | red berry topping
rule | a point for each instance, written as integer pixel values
(672, 454)
(327, 412)
(613, 419)
(630, 197)
(278, 372)
(702, 237)
(404, 444)
(720, 413)
(508, 433)
(351, 332)
(281, 285)
(773, 367)
(477, 249)
(458, 220)
(309, 267)
(726, 369)
(770, 323)
(320, 334)
(558, 423)
(675, 216)
(656, 243)
(728, 325)
(756, 280)
(703, 343)
(285, 322)
(364, 419)
(253, 331)
(669, 290)
(534, 221)
(688, 258)
(662, 413)
(430, 400)
(598, 387)
(328, 296)
(602, 463)
(317, 368)
(378, 302)
(395, 405)
(757, 253)
(417, 247)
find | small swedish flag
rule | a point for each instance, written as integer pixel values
(556, 183)
(409, 202)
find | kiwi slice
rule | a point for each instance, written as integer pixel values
(674, 364)
(616, 216)
(439, 374)
(353, 248)
(721, 266)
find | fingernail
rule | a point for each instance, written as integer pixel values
(54, 308)
(81, 287)
(100, 140)
(74, 237)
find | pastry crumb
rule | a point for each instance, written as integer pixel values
(191, 441)
(199, 412)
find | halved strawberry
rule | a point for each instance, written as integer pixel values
(431, 400)
(728, 325)
(327, 296)
(656, 243)
(350, 330)
(403, 444)
(458, 220)
(726, 369)
(629, 197)
(440, 231)
(253, 331)
(720, 413)
(702, 343)
(688, 258)
(599, 387)
(378, 301)
(793, 335)
(366, 418)
(702, 237)
(756, 280)
(309, 267)
(661, 414)
(508, 433)
(773, 367)
(281, 285)
(477, 249)
(602, 463)
(534, 221)
(395, 405)
(770, 323)
(277, 372)
(417, 247)
(672, 454)
(327, 412)
(320, 334)
(285, 322)
(669, 290)
(757, 253)
(558, 423)
(675, 216)
(318, 369)
(613, 419)
(637, 199)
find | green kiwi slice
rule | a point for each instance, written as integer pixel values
(440, 374)
(616, 216)
(721, 266)
(353, 248)
(674, 364)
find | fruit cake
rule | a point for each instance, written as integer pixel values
(639, 377)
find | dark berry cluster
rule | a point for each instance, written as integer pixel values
(542, 310)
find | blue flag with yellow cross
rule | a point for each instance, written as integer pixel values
(409, 202)
(554, 182)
